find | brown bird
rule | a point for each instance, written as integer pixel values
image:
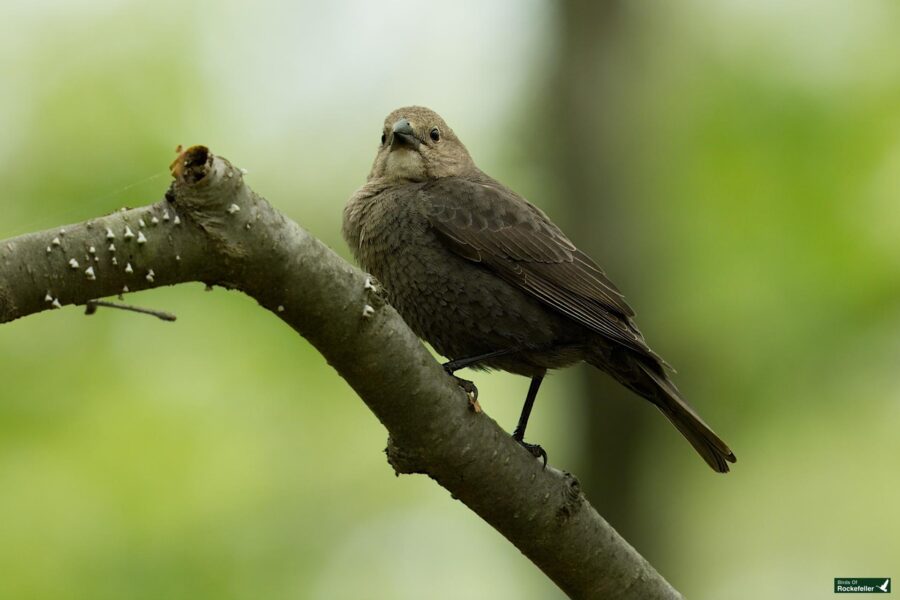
(490, 282)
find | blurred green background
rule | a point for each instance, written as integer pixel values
(735, 166)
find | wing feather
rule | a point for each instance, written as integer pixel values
(485, 222)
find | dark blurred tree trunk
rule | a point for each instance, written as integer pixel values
(583, 115)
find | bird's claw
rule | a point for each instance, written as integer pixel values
(471, 392)
(535, 450)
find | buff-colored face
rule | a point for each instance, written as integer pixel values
(416, 145)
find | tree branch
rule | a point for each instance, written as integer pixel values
(213, 228)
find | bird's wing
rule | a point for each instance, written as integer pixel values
(485, 222)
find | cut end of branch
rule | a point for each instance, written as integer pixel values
(192, 164)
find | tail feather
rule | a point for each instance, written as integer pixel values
(714, 451)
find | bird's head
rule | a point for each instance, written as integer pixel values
(417, 145)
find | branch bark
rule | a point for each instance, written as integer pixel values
(211, 227)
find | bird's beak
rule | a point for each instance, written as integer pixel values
(403, 135)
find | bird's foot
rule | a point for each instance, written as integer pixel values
(471, 392)
(535, 450)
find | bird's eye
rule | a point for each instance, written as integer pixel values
(435, 134)
(383, 138)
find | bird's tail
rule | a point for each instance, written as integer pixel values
(651, 382)
(710, 446)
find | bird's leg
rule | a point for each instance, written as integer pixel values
(519, 432)
(469, 387)
(461, 363)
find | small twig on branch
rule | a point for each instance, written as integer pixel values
(90, 307)
(211, 227)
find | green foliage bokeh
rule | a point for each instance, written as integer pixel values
(221, 457)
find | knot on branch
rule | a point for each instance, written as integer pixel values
(6, 305)
(374, 298)
(374, 292)
(572, 498)
(404, 462)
